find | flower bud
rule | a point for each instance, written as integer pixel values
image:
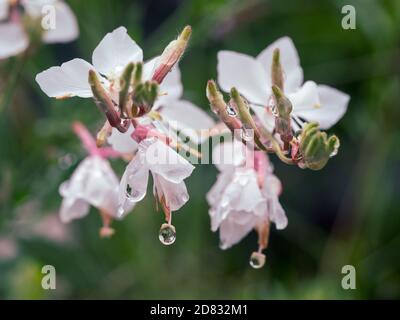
(143, 98)
(315, 146)
(171, 55)
(283, 105)
(276, 69)
(104, 102)
(124, 84)
(218, 105)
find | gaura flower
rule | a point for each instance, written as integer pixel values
(17, 15)
(177, 113)
(114, 52)
(252, 77)
(93, 183)
(168, 169)
(245, 197)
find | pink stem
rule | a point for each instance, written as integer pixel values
(261, 166)
(89, 142)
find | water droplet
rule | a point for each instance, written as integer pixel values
(257, 260)
(231, 111)
(66, 161)
(131, 194)
(167, 234)
(247, 134)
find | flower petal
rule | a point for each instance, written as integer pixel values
(216, 191)
(246, 74)
(186, 117)
(231, 232)
(306, 98)
(293, 73)
(122, 142)
(163, 160)
(114, 52)
(229, 154)
(133, 185)
(93, 182)
(73, 208)
(3, 9)
(175, 194)
(66, 25)
(68, 80)
(13, 40)
(332, 107)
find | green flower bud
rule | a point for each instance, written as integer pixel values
(276, 69)
(124, 83)
(143, 98)
(283, 104)
(315, 146)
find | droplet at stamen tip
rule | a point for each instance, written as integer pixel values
(167, 234)
(257, 260)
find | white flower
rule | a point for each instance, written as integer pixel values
(238, 204)
(92, 183)
(168, 169)
(14, 39)
(252, 77)
(110, 57)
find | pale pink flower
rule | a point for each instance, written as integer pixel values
(245, 195)
(93, 183)
(169, 170)
(252, 77)
(13, 37)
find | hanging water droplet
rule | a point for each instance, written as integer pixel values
(247, 134)
(231, 111)
(167, 234)
(66, 161)
(257, 260)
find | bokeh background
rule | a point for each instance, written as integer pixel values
(348, 213)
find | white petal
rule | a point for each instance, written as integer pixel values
(34, 7)
(4, 9)
(66, 28)
(73, 208)
(265, 116)
(149, 67)
(122, 142)
(272, 190)
(163, 160)
(13, 40)
(171, 87)
(229, 154)
(277, 214)
(305, 98)
(246, 74)
(93, 182)
(114, 52)
(249, 198)
(175, 194)
(186, 117)
(133, 185)
(68, 80)
(216, 191)
(293, 73)
(231, 232)
(332, 107)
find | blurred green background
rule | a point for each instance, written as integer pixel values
(348, 213)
